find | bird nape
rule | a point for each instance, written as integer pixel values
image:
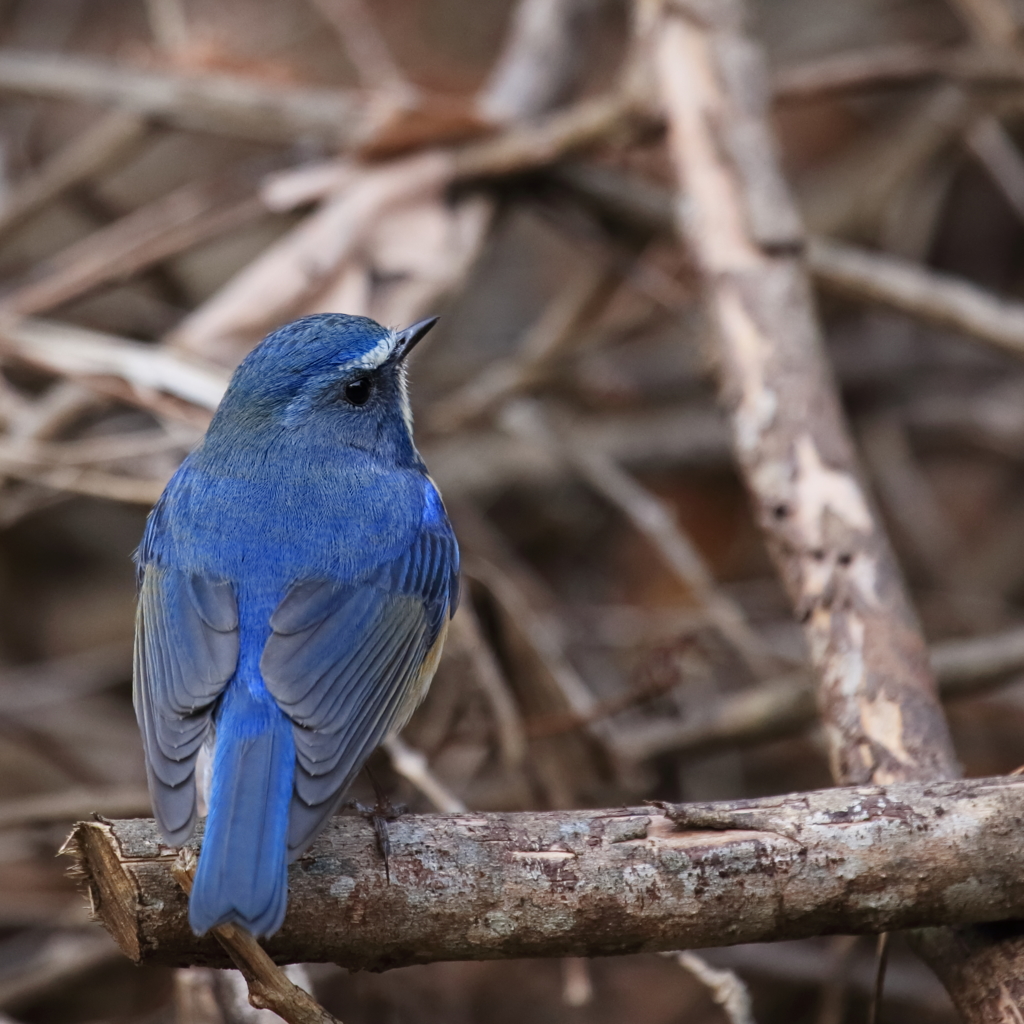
(296, 580)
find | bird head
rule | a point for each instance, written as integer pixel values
(333, 376)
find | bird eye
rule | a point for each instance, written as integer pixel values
(357, 391)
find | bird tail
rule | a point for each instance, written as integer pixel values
(242, 877)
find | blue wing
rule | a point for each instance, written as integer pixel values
(349, 663)
(186, 650)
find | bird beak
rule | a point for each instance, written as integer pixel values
(410, 338)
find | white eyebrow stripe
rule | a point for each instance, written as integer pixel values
(378, 354)
(403, 397)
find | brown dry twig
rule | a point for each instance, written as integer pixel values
(895, 64)
(466, 638)
(996, 151)
(241, 107)
(860, 273)
(651, 517)
(117, 801)
(563, 681)
(269, 986)
(194, 213)
(540, 61)
(554, 331)
(365, 47)
(933, 296)
(109, 140)
(62, 957)
(77, 352)
(412, 765)
(725, 987)
(785, 705)
(661, 674)
(293, 269)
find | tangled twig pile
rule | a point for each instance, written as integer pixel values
(589, 227)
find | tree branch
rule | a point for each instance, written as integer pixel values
(877, 697)
(791, 441)
(245, 107)
(930, 295)
(588, 883)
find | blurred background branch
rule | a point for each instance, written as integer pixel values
(177, 177)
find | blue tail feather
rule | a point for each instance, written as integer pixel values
(242, 876)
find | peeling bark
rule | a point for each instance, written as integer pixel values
(590, 883)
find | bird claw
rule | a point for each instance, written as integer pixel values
(378, 816)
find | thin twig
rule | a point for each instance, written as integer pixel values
(662, 674)
(835, 986)
(971, 66)
(901, 284)
(963, 666)
(194, 213)
(485, 462)
(269, 986)
(293, 187)
(553, 332)
(291, 270)
(77, 352)
(540, 61)
(412, 765)
(996, 151)
(365, 46)
(577, 987)
(854, 192)
(309, 257)
(991, 21)
(868, 68)
(539, 633)
(92, 482)
(882, 958)
(63, 956)
(466, 636)
(235, 106)
(92, 450)
(725, 987)
(125, 801)
(908, 495)
(649, 515)
(931, 295)
(784, 705)
(809, 964)
(108, 140)
(168, 25)
(520, 147)
(546, 680)
(55, 411)
(548, 139)
(29, 688)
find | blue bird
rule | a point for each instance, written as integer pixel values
(296, 579)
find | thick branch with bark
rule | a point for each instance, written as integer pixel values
(876, 694)
(589, 883)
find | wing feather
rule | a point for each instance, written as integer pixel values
(186, 650)
(344, 663)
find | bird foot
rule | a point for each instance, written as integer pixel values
(378, 815)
